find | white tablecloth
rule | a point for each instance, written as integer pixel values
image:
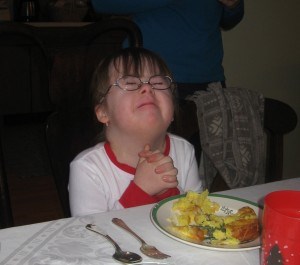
(66, 241)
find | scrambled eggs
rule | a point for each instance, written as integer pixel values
(194, 219)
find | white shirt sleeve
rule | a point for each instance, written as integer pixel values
(183, 155)
(89, 191)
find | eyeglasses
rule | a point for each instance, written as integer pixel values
(132, 83)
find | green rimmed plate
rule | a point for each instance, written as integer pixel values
(160, 216)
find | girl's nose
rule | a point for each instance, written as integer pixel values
(146, 87)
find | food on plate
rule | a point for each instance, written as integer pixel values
(245, 227)
(196, 218)
(190, 233)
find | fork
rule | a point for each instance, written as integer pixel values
(146, 249)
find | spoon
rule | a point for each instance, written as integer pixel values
(120, 255)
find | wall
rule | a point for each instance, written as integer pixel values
(263, 53)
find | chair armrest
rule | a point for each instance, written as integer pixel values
(279, 119)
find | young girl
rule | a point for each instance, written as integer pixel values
(139, 163)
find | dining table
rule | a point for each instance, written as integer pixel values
(67, 241)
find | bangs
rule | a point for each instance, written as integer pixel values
(136, 61)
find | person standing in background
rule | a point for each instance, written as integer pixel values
(185, 33)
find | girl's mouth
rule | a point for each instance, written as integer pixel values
(144, 104)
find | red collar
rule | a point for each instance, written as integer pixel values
(127, 168)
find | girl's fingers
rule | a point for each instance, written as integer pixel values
(165, 166)
(145, 153)
(152, 156)
(170, 179)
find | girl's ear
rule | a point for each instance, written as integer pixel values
(101, 114)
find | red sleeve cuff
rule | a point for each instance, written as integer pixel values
(135, 196)
(167, 193)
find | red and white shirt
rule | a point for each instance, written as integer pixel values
(99, 183)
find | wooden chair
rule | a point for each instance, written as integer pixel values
(72, 127)
(24, 69)
(24, 90)
(279, 119)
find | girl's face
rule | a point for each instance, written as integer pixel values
(143, 111)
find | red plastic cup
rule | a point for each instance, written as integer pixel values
(281, 228)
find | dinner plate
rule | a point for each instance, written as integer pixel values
(161, 213)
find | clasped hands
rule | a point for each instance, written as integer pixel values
(155, 172)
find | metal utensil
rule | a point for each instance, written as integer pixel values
(148, 250)
(120, 255)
